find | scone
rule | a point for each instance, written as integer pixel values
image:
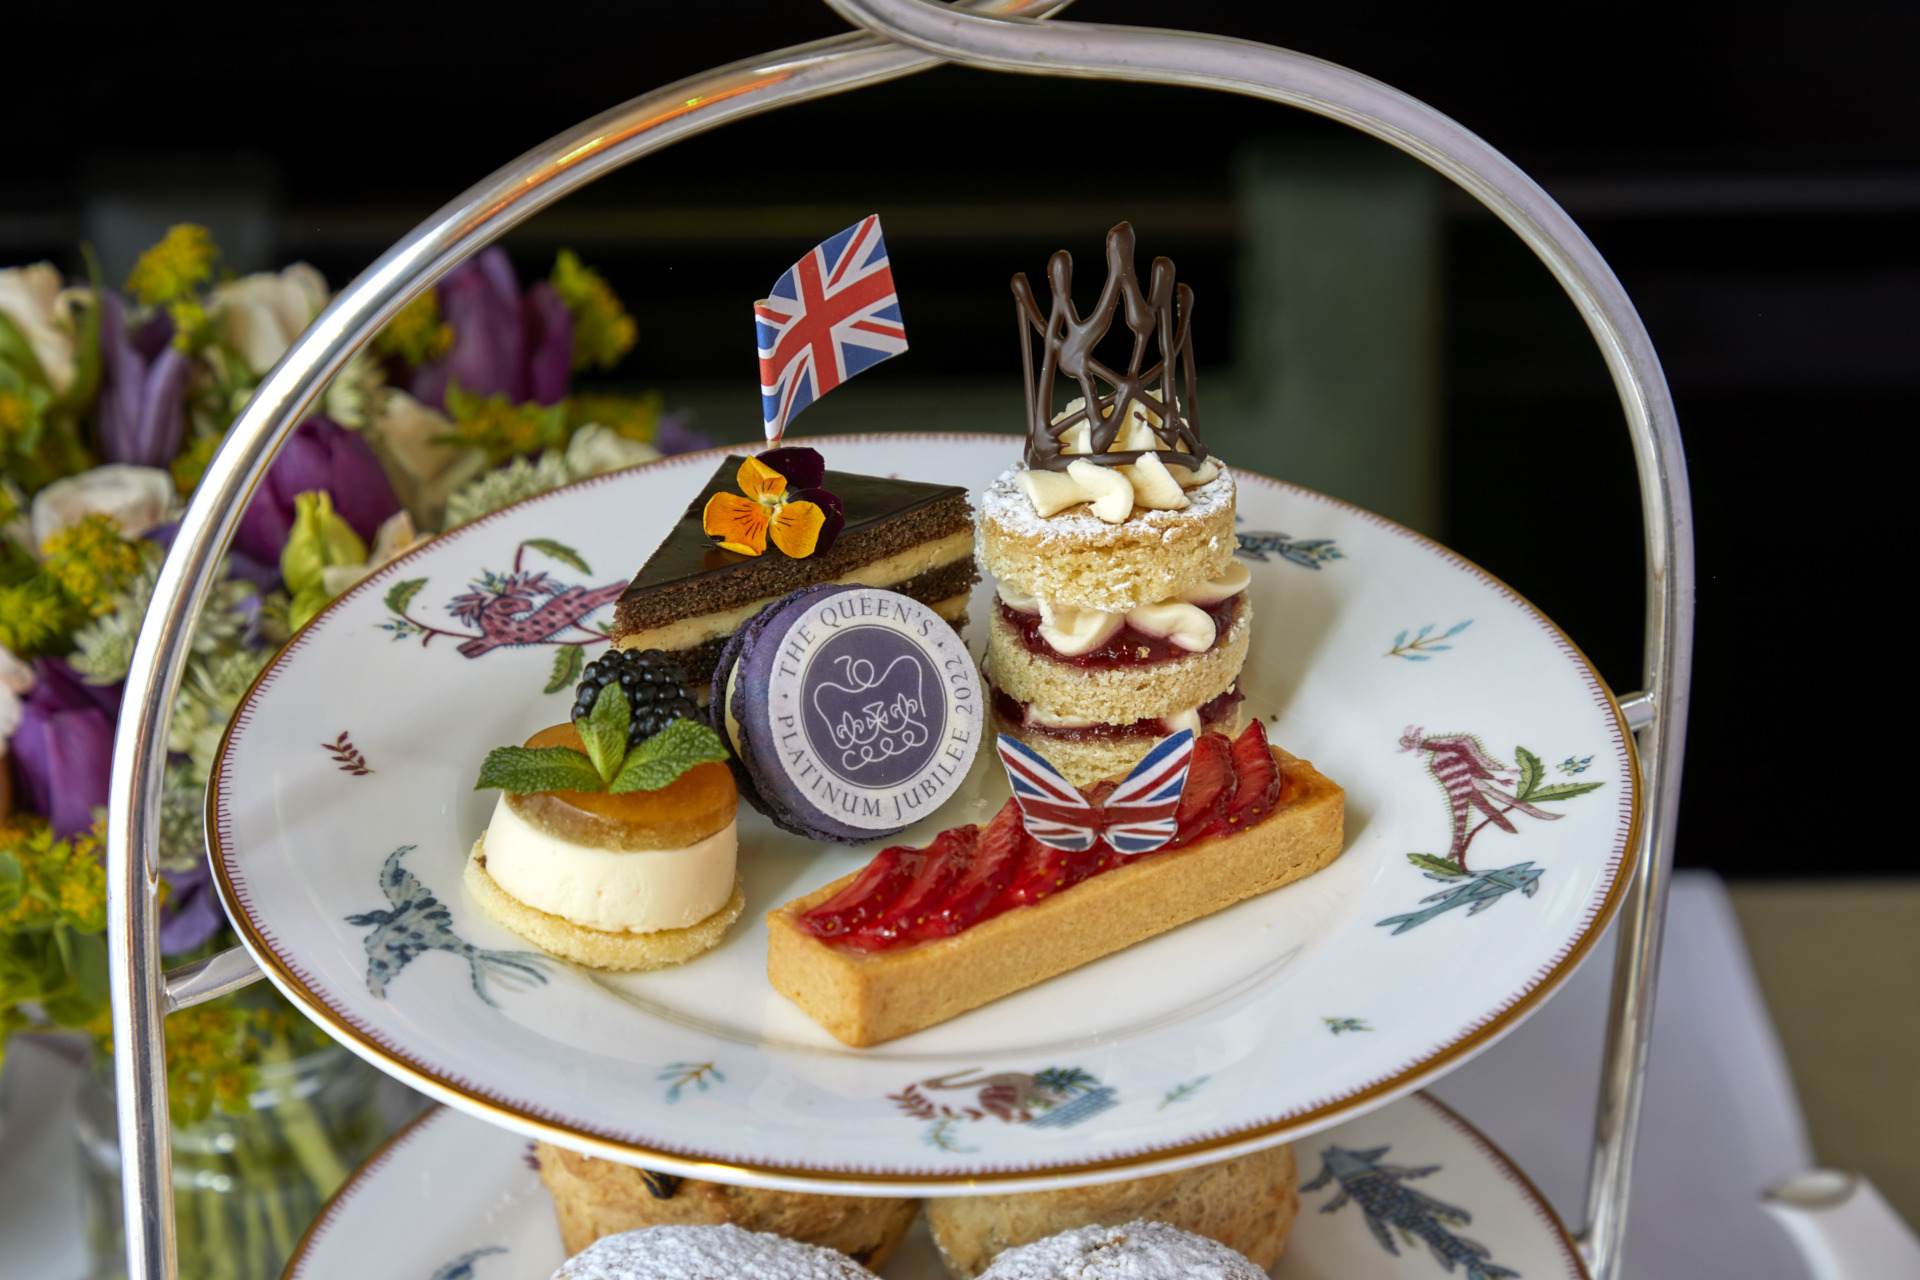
(707, 1253)
(598, 1198)
(1247, 1203)
(1134, 1251)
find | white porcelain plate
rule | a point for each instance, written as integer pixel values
(1491, 805)
(452, 1199)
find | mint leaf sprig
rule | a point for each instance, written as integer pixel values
(606, 764)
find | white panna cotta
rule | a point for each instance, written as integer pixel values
(616, 890)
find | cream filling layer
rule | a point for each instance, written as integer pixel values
(685, 633)
(1070, 631)
(1044, 717)
(608, 889)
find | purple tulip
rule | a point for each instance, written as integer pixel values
(503, 344)
(143, 388)
(549, 343)
(63, 747)
(192, 912)
(320, 455)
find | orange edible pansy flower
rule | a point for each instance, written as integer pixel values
(782, 501)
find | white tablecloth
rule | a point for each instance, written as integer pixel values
(1720, 1123)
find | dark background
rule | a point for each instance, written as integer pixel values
(1752, 172)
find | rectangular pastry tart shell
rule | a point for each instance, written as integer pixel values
(868, 999)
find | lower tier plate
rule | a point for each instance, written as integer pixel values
(451, 1198)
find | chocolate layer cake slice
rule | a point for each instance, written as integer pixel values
(691, 595)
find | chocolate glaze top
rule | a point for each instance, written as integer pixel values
(688, 555)
(1163, 313)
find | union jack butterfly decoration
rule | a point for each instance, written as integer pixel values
(832, 315)
(1138, 817)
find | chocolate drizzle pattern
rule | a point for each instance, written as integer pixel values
(1163, 314)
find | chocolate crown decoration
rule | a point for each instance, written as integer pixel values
(1162, 315)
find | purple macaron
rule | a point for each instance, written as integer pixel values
(853, 712)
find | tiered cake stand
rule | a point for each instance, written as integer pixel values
(899, 38)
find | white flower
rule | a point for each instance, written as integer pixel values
(16, 680)
(350, 395)
(496, 489)
(33, 298)
(261, 314)
(596, 450)
(135, 498)
(404, 433)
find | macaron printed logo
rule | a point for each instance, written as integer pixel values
(871, 724)
(875, 708)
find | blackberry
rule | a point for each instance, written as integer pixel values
(656, 689)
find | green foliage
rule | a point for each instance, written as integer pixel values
(1438, 866)
(559, 551)
(607, 764)
(1533, 772)
(567, 663)
(53, 957)
(1530, 772)
(602, 330)
(401, 594)
(524, 770)
(658, 761)
(604, 731)
(1563, 791)
(501, 428)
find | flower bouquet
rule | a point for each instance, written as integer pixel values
(112, 403)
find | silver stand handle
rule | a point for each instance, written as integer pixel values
(917, 35)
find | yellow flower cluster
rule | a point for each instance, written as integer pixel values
(192, 463)
(18, 417)
(503, 429)
(602, 329)
(33, 614)
(44, 881)
(91, 561)
(417, 335)
(212, 1055)
(635, 417)
(175, 267)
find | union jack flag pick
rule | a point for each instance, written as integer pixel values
(832, 315)
(1138, 817)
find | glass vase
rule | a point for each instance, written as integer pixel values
(247, 1180)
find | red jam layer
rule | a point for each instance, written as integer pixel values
(969, 874)
(1016, 713)
(1127, 648)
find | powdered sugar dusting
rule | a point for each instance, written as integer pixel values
(1137, 1251)
(707, 1253)
(1007, 505)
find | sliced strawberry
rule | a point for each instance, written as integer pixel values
(947, 859)
(1211, 784)
(865, 900)
(996, 857)
(1259, 778)
(1042, 870)
(1084, 866)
